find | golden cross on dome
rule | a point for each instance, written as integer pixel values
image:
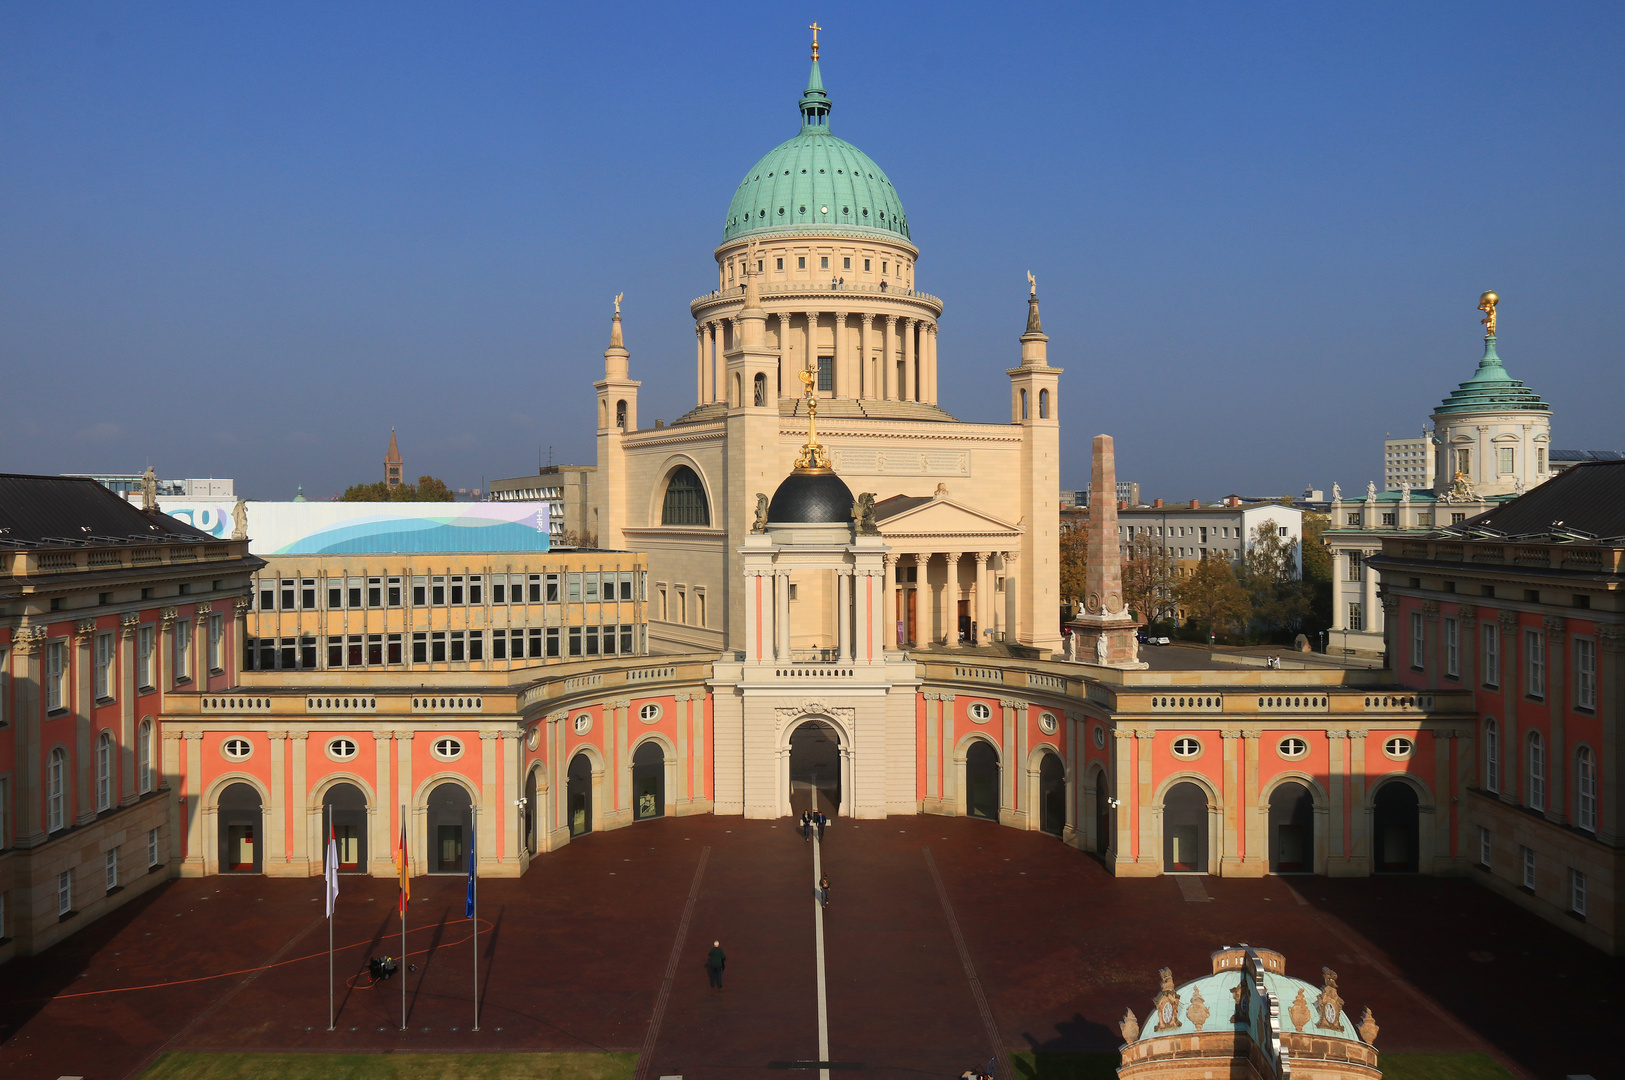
(815, 28)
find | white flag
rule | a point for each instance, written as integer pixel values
(331, 868)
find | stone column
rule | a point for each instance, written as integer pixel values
(1511, 694)
(513, 786)
(781, 616)
(488, 808)
(699, 364)
(82, 811)
(753, 584)
(950, 600)
(921, 630)
(1340, 573)
(403, 793)
(842, 384)
(1432, 644)
(981, 606)
(887, 383)
(713, 360)
(1611, 753)
(274, 844)
(26, 642)
(1467, 644)
(1232, 822)
(378, 840)
(932, 331)
(200, 849)
(888, 602)
(866, 378)
(127, 703)
(1483, 468)
(812, 343)
(1557, 802)
(1360, 833)
(623, 758)
(784, 350)
(1337, 845)
(910, 390)
(843, 615)
(239, 638)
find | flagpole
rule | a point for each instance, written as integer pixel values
(328, 853)
(405, 870)
(474, 891)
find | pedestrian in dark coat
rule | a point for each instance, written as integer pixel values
(715, 961)
(823, 891)
(820, 820)
(806, 824)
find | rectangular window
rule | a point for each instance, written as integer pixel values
(1418, 641)
(56, 675)
(457, 589)
(1585, 673)
(307, 593)
(1528, 858)
(589, 583)
(1504, 460)
(801, 262)
(1577, 892)
(476, 588)
(499, 590)
(592, 641)
(287, 594)
(846, 263)
(335, 652)
(823, 262)
(1452, 649)
(458, 647)
(778, 264)
(437, 646)
(499, 645)
(476, 645)
(375, 650)
(626, 640)
(575, 641)
(393, 641)
(1492, 654)
(826, 373)
(104, 772)
(267, 596)
(1356, 565)
(516, 644)
(64, 892)
(626, 586)
(287, 649)
(1388, 519)
(535, 584)
(437, 591)
(1356, 616)
(609, 641)
(152, 847)
(335, 597)
(1534, 645)
(183, 650)
(393, 592)
(573, 592)
(1425, 519)
(110, 867)
(1540, 459)
(420, 648)
(866, 266)
(217, 637)
(5, 820)
(1485, 847)
(104, 667)
(536, 643)
(1353, 519)
(420, 591)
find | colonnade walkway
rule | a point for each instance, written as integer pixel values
(576, 956)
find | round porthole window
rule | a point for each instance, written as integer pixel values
(534, 739)
(823, 209)
(583, 723)
(447, 749)
(341, 749)
(980, 713)
(1187, 748)
(1292, 748)
(1100, 738)
(1047, 723)
(237, 749)
(649, 713)
(1398, 748)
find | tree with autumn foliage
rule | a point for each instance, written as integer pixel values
(1074, 562)
(1213, 600)
(427, 489)
(1149, 579)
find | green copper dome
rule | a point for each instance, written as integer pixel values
(815, 181)
(1491, 389)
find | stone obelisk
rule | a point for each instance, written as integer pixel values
(1105, 631)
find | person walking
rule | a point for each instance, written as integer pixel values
(806, 824)
(819, 820)
(823, 891)
(715, 961)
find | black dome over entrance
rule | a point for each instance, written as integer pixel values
(811, 497)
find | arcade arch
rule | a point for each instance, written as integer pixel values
(1185, 819)
(816, 762)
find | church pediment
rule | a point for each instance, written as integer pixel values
(944, 517)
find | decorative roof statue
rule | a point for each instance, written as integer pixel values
(760, 525)
(1461, 491)
(1405, 491)
(1129, 1026)
(863, 513)
(1486, 304)
(1517, 486)
(813, 456)
(1032, 285)
(239, 521)
(618, 298)
(1370, 489)
(1337, 492)
(149, 489)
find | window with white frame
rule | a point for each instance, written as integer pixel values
(55, 675)
(217, 636)
(1492, 654)
(103, 680)
(447, 749)
(1585, 789)
(1534, 646)
(237, 749)
(1492, 755)
(1356, 565)
(1504, 458)
(1577, 892)
(145, 651)
(1418, 641)
(1527, 856)
(1585, 673)
(104, 771)
(152, 847)
(143, 757)
(56, 795)
(1356, 616)
(64, 892)
(183, 650)
(1452, 648)
(1399, 748)
(1535, 772)
(110, 867)
(1187, 747)
(980, 711)
(1485, 847)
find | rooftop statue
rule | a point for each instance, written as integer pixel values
(1486, 304)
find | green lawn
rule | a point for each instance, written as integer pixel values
(395, 1066)
(1031, 1066)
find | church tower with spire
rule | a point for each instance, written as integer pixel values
(617, 415)
(392, 462)
(1034, 408)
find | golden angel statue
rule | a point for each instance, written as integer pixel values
(1486, 304)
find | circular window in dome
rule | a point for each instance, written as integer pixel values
(823, 209)
(803, 172)
(803, 209)
(865, 211)
(763, 214)
(846, 210)
(781, 211)
(820, 172)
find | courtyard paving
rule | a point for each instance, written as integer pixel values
(1035, 948)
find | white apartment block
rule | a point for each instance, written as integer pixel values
(1407, 461)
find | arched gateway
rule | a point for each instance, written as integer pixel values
(815, 768)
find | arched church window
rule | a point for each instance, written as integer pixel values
(685, 499)
(761, 388)
(1024, 404)
(1043, 404)
(620, 415)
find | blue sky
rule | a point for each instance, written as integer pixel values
(246, 240)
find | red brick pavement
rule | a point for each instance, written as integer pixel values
(575, 954)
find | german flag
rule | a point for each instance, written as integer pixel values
(402, 867)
